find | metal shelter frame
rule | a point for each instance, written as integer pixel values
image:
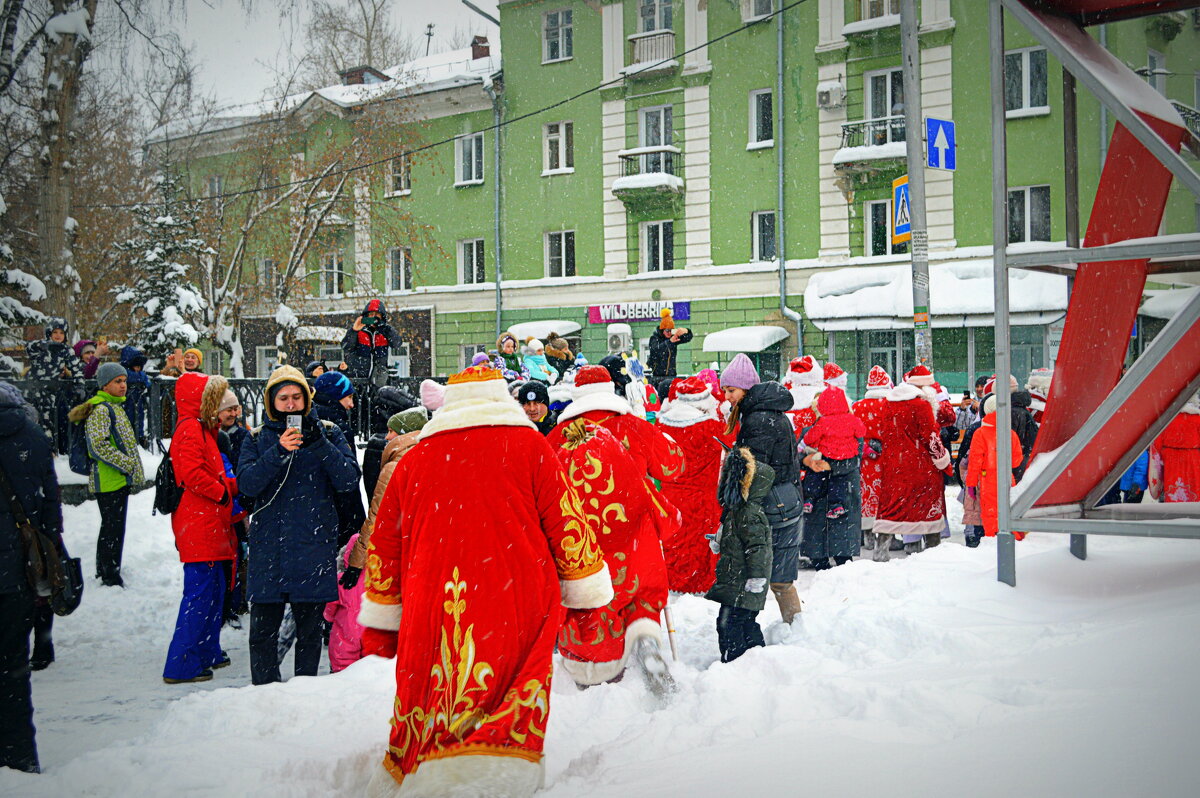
(1176, 253)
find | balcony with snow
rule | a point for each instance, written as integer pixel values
(649, 175)
(871, 145)
(651, 53)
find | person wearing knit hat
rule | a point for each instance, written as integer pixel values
(664, 343)
(115, 465)
(433, 395)
(406, 421)
(758, 416)
(229, 415)
(315, 369)
(193, 360)
(872, 409)
(691, 421)
(591, 655)
(534, 398)
(981, 467)
(536, 364)
(530, 551)
(294, 477)
(333, 397)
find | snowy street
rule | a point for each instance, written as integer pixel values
(922, 676)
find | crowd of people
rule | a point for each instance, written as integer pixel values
(593, 492)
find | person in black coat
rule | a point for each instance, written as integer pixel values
(758, 415)
(663, 345)
(293, 477)
(333, 397)
(534, 397)
(28, 463)
(366, 344)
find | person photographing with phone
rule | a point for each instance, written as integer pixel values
(292, 467)
(366, 344)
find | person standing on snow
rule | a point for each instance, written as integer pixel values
(833, 495)
(804, 381)
(472, 624)
(52, 360)
(744, 544)
(137, 393)
(981, 468)
(203, 527)
(366, 345)
(116, 465)
(23, 444)
(690, 418)
(293, 475)
(873, 410)
(1175, 457)
(758, 415)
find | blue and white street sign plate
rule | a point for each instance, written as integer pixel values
(901, 211)
(939, 143)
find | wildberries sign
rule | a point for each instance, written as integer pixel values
(637, 311)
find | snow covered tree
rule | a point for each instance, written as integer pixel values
(16, 286)
(158, 260)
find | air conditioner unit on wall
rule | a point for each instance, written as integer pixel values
(620, 338)
(830, 94)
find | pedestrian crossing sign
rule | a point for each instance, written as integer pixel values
(901, 211)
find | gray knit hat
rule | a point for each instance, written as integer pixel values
(413, 418)
(108, 372)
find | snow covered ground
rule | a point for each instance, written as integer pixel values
(922, 677)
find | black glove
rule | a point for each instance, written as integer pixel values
(312, 430)
(350, 577)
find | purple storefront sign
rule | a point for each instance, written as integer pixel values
(637, 311)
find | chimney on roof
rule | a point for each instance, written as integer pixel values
(359, 75)
(480, 48)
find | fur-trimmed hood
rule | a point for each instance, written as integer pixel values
(905, 392)
(743, 479)
(199, 396)
(595, 396)
(278, 377)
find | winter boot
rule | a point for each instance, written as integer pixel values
(787, 599)
(912, 548)
(933, 539)
(43, 644)
(868, 540)
(648, 655)
(203, 676)
(883, 547)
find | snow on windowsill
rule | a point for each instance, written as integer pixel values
(1024, 113)
(464, 183)
(868, 25)
(393, 194)
(570, 170)
(649, 149)
(652, 180)
(558, 60)
(871, 152)
(649, 66)
(760, 145)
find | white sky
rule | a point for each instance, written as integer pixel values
(239, 54)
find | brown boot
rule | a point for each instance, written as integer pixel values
(787, 599)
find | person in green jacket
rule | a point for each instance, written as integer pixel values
(744, 543)
(116, 465)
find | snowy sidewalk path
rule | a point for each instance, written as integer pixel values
(922, 677)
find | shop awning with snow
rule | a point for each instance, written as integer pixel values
(744, 339)
(960, 295)
(542, 329)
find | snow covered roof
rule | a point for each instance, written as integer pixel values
(960, 294)
(744, 339)
(1166, 304)
(421, 76)
(314, 332)
(542, 329)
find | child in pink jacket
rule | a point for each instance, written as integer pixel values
(345, 638)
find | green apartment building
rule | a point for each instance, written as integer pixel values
(692, 146)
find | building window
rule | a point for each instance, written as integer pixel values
(762, 225)
(468, 151)
(884, 104)
(268, 274)
(557, 42)
(560, 148)
(469, 352)
(1029, 214)
(333, 277)
(656, 128)
(400, 176)
(879, 231)
(873, 9)
(215, 186)
(762, 120)
(1156, 71)
(655, 15)
(470, 261)
(658, 246)
(1025, 81)
(400, 269)
(560, 254)
(399, 358)
(266, 360)
(756, 9)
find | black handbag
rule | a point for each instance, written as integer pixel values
(784, 505)
(52, 572)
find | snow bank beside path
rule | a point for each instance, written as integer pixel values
(923, 677)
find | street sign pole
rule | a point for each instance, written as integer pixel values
(919, 245)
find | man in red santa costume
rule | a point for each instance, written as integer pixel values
(872, 409)
(805, 380)
(1175, 457)
(834, 376)
(691, 418)
(911, 495)
(640, 574)
(466, 589)
(937, 396)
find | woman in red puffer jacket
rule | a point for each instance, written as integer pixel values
(203, 527)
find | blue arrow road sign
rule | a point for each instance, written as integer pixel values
(939, 143)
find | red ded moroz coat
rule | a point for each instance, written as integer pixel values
(873, 411)
(911, 495)
(202, 524)
(1175, 459)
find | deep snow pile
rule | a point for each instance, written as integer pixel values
(923, 677)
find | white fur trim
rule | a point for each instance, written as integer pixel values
(1036, 405)
(472, 775)
(905, 392)
(476, 404)
(685, 414)
(379, 616)
(804, 396)
(942, 462)
(586, 400)
(920, 380)
(884, 526)
(587, 592)
(839, 382)
(877, 393)
(589, 673)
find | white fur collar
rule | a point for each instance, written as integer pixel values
(685, 414)
(476, 404)
(597, 396)
(877, 393)
(905, 392)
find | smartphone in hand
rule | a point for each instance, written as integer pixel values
(295, 421)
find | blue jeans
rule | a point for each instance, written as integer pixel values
(196, 645)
